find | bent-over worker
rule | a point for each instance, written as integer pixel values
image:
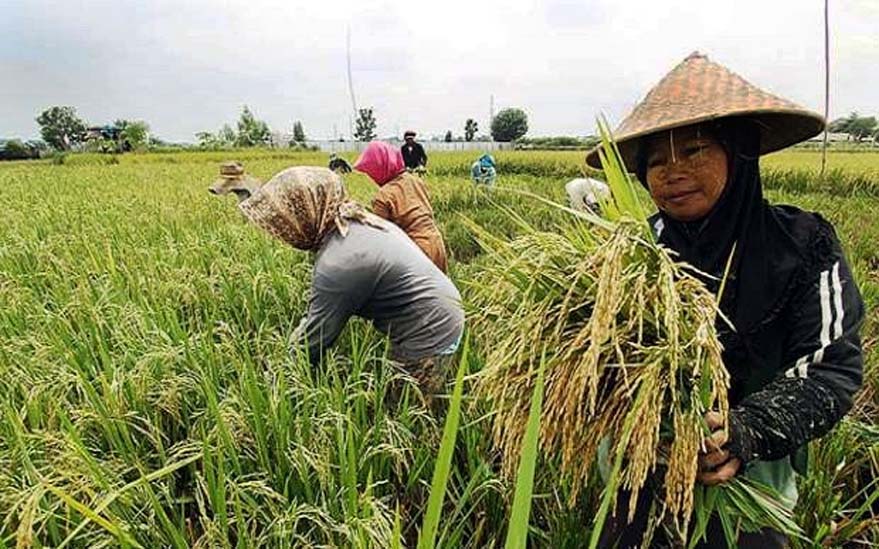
(586, 194)
(483, 171)
(363, 266)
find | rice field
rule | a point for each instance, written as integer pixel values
(150, 399)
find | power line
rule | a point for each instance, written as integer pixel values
(826, 84)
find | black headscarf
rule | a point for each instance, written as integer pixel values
(768, 253)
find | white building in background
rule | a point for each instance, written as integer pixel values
(832, 137)
(331, 146)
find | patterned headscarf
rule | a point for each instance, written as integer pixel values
(302, 205)
(381, 162)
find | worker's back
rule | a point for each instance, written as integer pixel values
(387, 279)
(404, 201)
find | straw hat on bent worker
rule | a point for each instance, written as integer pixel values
(232, 172)
(699, 90)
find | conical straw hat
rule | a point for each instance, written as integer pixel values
(232, 170)
(698, 90)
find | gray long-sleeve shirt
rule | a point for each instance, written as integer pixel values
(381, 275)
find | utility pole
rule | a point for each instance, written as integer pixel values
(350, 82)
(826, 84)
(490, 112)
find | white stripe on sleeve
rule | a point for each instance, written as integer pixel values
(824, 292)
(801, 369)
(837, 302)
(831, 317)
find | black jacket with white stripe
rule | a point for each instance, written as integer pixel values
(794, 375)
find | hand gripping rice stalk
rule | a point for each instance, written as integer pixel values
(630, 348)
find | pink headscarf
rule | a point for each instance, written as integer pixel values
(380, 161)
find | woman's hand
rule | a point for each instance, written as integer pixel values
(716, 466)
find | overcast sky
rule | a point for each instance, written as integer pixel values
(185, 67)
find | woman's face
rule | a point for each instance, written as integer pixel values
(686, 172)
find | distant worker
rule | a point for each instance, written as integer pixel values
(338, 164)
(402, 199)
(483, 171)
(413, 153)
(586, 194)
(234, 180)
(363, 266)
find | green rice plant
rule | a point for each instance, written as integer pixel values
(839, 495)
(634, 354)
(427, 537)
(143, 322)
(517, 533)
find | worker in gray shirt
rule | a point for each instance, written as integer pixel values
(364, 266)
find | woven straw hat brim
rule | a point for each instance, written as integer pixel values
(778, 130)
(698, 90)
(231, 169)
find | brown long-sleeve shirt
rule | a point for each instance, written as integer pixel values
(405, 202)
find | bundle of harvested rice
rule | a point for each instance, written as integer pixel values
(631, 354)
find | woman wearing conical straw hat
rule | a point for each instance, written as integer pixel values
(793, 350)
(363, 266)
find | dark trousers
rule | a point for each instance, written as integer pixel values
(618, 533)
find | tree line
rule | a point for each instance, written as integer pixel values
(856, 126)
(62, 130)
(509, 125)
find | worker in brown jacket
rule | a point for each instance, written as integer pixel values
(402, 198)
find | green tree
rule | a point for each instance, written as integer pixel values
(858, 127)
(838, 125)
(448, 138)
(365, 125)
(509, 125)
(207, 140)
(224, 138)
(863, 127)
(61, 128)
(157, 142)
(134, 134)
(38, 147)
(227, 137)
(14, 149)
(252, 132)
(298, 132)
(470, 129)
